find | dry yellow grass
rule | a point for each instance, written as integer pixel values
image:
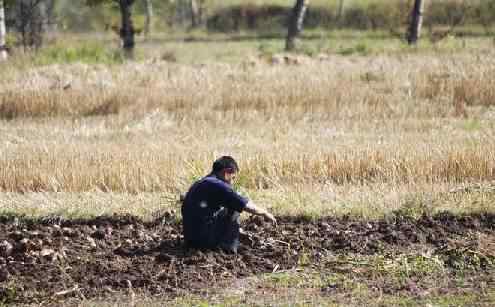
(335, 133)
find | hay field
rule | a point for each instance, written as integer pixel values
(330, 134)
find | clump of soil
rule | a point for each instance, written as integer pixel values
(51, 259)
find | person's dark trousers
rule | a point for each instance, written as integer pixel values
(221, 231)
(226, 230)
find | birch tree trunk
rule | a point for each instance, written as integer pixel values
(149, 17)
(3, 33)
(340, 12)
(416, 22)
(127, 28)
(195, 14)
(295, 23)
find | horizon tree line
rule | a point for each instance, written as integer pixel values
(32, 15)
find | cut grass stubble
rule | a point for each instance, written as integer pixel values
(322, 123)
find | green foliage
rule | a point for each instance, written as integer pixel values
(360, 49)
(7, 295)
(297, 280)
(412, 209)
(472, 125)
(99, 2)
(11, 39)
(304, 259)
(90, 52)
(79, 17)
(272, 16)
(485, 13)
(466, 258)
(365, 15)
(418, 266)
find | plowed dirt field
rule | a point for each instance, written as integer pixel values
(52, 259)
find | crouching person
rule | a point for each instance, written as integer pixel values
(211, 209)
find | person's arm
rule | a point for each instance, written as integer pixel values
(256, 210)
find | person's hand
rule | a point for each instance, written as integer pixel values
(270, 217)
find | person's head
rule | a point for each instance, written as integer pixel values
(225, 168)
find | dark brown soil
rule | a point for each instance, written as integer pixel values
(52, 259)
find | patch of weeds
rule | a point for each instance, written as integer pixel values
(404, 267)
(169, 56)
(389, 271)
(286, 280)
(372, 77)
(310, 216)
(359, 49)
(465, 299)
(412, 209)
(267, 50)
(337, 281)
(86, 53)
(304, 259)
(241, 182)
(7, 215)
(472, 125)
(466, 258)
(195, 171)
(310, 50)
(293, 280)
(7, 295)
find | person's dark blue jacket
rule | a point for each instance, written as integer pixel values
(209, 210)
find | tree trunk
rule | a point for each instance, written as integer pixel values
(30, 23)
(340, 12)
(51, 18)
(149, 17)
(416, 22)
(182, 9)
(295, 23)
(197, 13)
(127, 28)
(194, 14)
(3, 33)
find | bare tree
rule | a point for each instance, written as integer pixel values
(149, 17)
(416, 22)
(295, 23)
(3, 33)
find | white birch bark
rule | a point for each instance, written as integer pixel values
(3, 32)
(296, 23)
(340, 11)
(195, 16)
(416, 22)
(149, 17)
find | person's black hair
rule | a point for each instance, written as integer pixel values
(224, 162)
